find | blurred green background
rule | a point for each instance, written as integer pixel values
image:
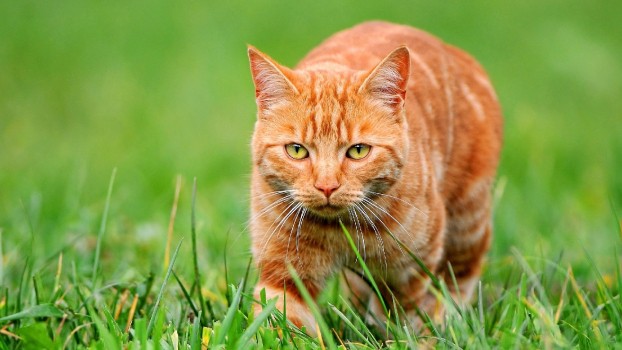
(161, 88)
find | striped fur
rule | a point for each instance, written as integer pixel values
(433, 122)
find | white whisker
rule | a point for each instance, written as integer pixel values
(359, 232)
(302, 217)
(377, 233)
(269, 194)
(283, 216)
(358, 239)
(284, 219)
(399, 199)
(356, 216)
(267, 209)
(367, 200)
(385, 211)
(291, 231)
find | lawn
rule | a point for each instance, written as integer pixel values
(108, 108)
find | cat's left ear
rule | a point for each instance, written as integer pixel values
(387, 82)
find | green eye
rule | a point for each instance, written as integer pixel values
(358, 151)
(296, 151)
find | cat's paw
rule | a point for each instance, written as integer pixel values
(296, 311)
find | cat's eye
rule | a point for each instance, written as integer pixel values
(296, 151)
(358, 151)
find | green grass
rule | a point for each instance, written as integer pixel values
(161, 90)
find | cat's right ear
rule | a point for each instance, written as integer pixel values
(272, 85)
(387, 82)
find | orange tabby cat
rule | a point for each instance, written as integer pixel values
(387, 129)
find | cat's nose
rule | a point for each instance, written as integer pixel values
(327, 187)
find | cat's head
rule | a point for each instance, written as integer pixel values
(330, 136)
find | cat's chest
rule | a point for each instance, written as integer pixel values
(376, 248)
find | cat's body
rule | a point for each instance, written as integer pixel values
(433, 124)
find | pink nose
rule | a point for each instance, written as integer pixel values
(327, 188)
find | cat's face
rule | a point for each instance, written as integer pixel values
(330, 138)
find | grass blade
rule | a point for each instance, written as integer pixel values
(1, 260)
(195, 337)
(102, 228)
(42, 310)
(195, 260)
(364, 267)
(435, 281)
(156, 306)
(186, 294)
(254, 327)
(25, 272)
(35, 285)
(171, 223)
(351, 325)
(106, 337)
(228, 321)
(130, 317)
(324, 331)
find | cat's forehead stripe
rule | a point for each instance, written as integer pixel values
(343, 130)
(326, 110)
(325, 66)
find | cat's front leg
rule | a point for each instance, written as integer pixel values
(290, 303)
(277, 282)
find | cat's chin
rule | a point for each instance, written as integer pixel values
(328, 211)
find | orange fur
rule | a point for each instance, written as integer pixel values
(434, 125)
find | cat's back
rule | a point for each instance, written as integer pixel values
(362, 46)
